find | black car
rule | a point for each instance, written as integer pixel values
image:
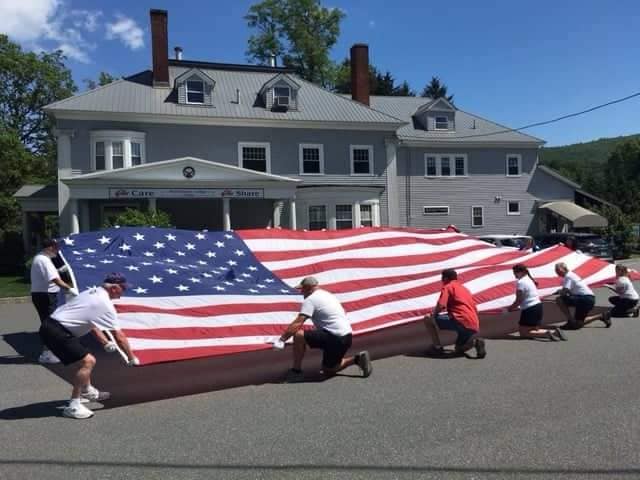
(589, 243)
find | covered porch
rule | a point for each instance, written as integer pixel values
(196, 193)
(566, 216)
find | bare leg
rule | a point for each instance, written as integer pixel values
(592, 318)
(82, 377)
(533, 332)
(299, 348)
(564, 308)
(344, 363)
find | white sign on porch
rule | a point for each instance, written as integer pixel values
(186, 193)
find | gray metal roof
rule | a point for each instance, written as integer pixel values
(37, 191)
(469, 128)
(135, 95)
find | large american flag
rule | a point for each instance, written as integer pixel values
(198, 293)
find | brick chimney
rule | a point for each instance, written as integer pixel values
(159, 48)
(360, 73)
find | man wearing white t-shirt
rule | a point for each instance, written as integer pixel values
(91, 311)
(45, 285)
(332, 333)
(576, 293)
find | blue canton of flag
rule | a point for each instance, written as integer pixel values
(161, 262)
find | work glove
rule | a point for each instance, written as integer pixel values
(278, 345)
(110, 347)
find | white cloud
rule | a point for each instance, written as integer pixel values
(26, 20)
(44, 25)
(372, 24)
(127, 30)
(86, 19)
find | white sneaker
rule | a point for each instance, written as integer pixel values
(47, 357)
(95, 395)
(77, 410)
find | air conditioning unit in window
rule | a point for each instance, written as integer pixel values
(282, 101)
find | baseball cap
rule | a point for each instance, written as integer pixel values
(116, 279)
(308, 282)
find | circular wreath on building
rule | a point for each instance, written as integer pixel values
(189, 172)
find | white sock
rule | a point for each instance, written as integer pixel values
(75, 402)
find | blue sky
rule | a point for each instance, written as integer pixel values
(510, 61)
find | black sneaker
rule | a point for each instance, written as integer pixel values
(569, 326)
(481, 350)
(636, 312)
(294, 376)
(363, 360)
(560, 335)
(606, 318)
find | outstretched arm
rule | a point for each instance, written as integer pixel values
(293, 327)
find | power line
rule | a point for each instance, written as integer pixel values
(553, 120)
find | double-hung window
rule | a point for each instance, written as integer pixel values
(361, 159)
(100, 156)
(344, 217)
(117, 155)
(195, 91)
(366, 216)
(255, 156)
(311, 159)
(281, 96)
(114, 149)
(477, 216)
(317, 217)
(442, 123)
(445, 165)
(514, 165)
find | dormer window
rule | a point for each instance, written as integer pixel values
(195, 91)
(442, 123)
(281, 96)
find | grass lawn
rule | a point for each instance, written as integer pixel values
(13, 286)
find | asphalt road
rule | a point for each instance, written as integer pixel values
(531, 409)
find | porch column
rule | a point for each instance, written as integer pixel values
(64, 171)
(292, 213)
(226, 214)
(393, 205)
(357, 219)
(152, 204)
(375, 213)
(74, 227)
(26, 233)
(278, 205)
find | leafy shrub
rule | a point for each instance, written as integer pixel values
(139, 218)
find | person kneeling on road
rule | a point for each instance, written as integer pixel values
(461, 317)
(531, 311)
(576, 293)
(625, 302)
(332, 333)
(91, 311)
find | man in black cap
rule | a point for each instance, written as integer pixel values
(91, 311)
(46, 282)
(332, 333)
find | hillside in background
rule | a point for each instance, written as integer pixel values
(589, 152)
(583, 163)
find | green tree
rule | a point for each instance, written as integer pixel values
(622, 178)
(140, 218)
(28, 82)
(379, 83)
(436, 89)
(105, 78)
(299, 32)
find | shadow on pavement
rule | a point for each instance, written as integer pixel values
(34, 410)
(130, 385)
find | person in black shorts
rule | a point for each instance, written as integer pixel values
(531, 311)
(91, 311)
(332, 333)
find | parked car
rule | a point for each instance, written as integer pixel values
(514, 241)
(589, 243)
